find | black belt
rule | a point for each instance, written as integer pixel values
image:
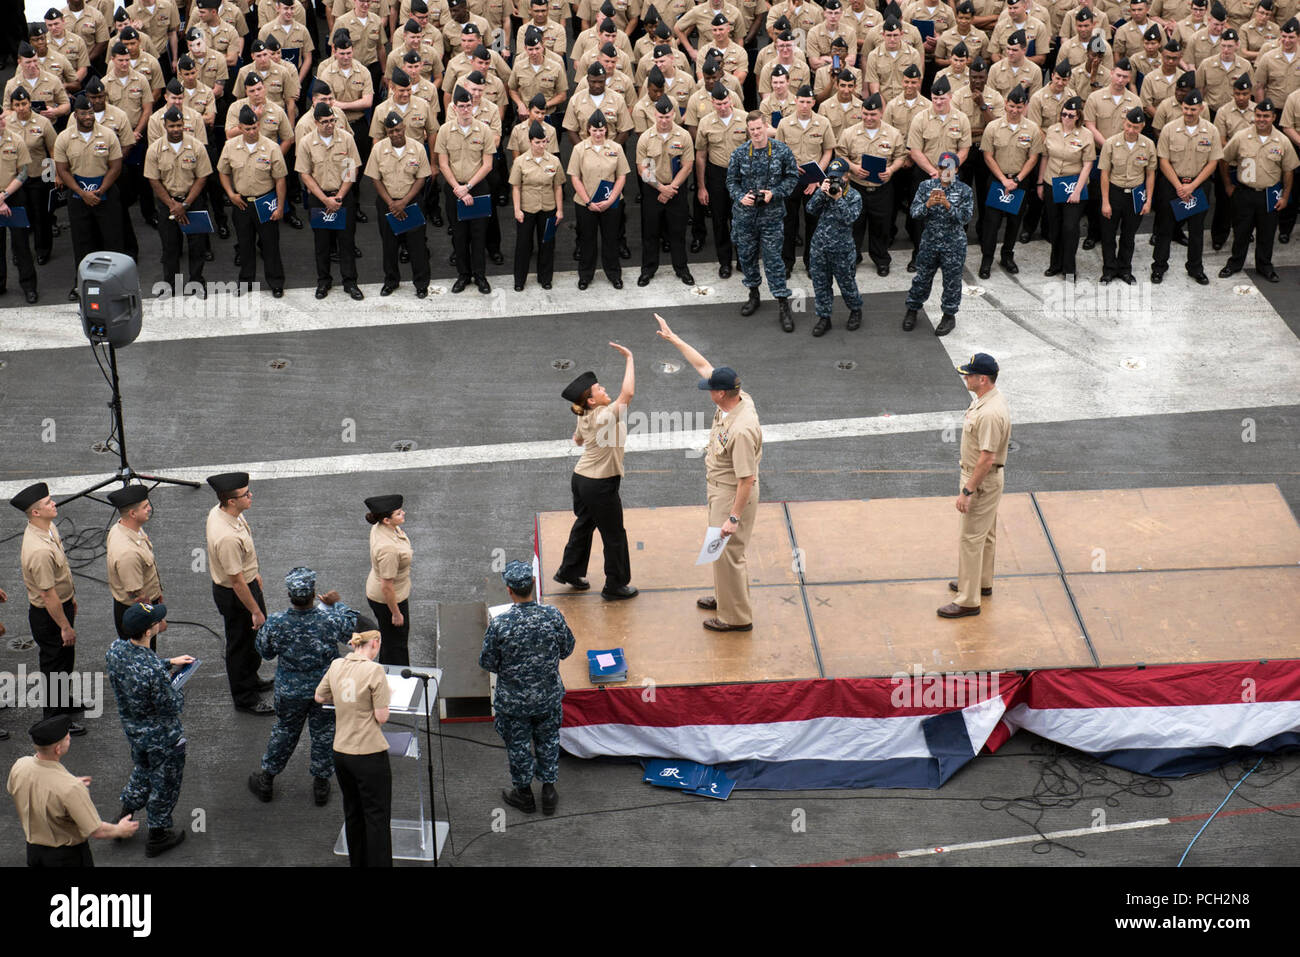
(1249, 189)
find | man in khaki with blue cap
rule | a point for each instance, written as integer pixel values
(731, 475)
(523, 647)
(985, 434)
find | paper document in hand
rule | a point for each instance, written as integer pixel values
(714, 543)
(494, 610)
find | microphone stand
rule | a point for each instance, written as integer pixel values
(428, 739)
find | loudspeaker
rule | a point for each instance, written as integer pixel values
(109, 287)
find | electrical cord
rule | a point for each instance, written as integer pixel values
(1211, 818)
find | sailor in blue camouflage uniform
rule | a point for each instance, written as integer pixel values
(835, 208)
(306, 637)
(761, 175)
(946, 204)
(523, 647)
(150, 709)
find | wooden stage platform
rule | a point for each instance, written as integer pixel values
(849, 589)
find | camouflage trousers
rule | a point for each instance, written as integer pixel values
(525, 734)
(754, 238)
(290, 714)
(155, 782)
(823, 266)
(935, 256)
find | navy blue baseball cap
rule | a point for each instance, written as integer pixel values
(981, 363)
(142, 616)
(723, 377)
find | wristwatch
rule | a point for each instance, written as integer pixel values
(735, 520)
(967, 492)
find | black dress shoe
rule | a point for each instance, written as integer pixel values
(1180, 239)
(422, 292)
(1283, 238)
(546, 285)
(986, 269)
(73, 296)
(451, 260)
(1157, 276)
(1200, 277)
(482, 284)
(1271, 276)
(322, 290)
(1106, 279)
(293, 221)
(277, 292)
(584, 283)
(209, 255)
(1009, 264)
(1217, 244)
(1227, 271)
(626, 591)
(1128, 279)
(362, 217)
(624, 252)
(1026, 235)
(519, 287)
(223, 230)
(697, 245)
(32, 296)
(389, 288)
(261, 708)
(577, 584)
(458, 286)
(1053, 271)
(616, 283)
(352, 290)
(686, 277)
(641, 280)
(436, 218)
(724, 271)
(1089, 244)
(882, 270)
(911, 263)
(496, 257)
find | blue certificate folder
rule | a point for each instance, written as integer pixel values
(689, 777)
(1271, 196)
(776, 118)
(602, 193)
(548, 234)
(1139, 198)
(200, 223)
(1063, 186)
(1008, 202)
(89, 183)
(926, 28)
(874, 165)
(810, 173)
(186, 672)
(1197, 204)
(17, 218)
(266, 205)
(481, 209)
(322, 218)
(606, 665)
(413, 219)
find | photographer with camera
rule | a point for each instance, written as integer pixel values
(831, 250)
(760, 176)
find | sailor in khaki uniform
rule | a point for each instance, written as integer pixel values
(811, 140)
(399, 168)
(237, 588)
(88, 159)
(52, 599)
(731, 475)
(720, 132)
(1127, 161)
(250, 167)
(132, 570)
(465, 147)
(985, 435)
(388, 585)
(1264, 158)
(1189, 152)
(871, 137)
(665, 156)
(54, 806)
(14, 162)
(1011, 147)
(177, 168)
(328, 164)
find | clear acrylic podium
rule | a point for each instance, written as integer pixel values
(412, 840)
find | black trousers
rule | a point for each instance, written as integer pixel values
(914, 226)
(1223, 218)
(469, 236)
(22, 256)
(346, 239)
(56, 658)
(605, 228)
(1031, 213)
(242, 658)
(1124, 222)
(975, 174)
(96, 227)
(715, 181)
(1194, 226)
(876, 222)
(248, 233)
(597, 505)
(393, 650)
(171, 238)
(659, 219)
(1092, 208)
(417, 245)
(213, 190)
(533, 228)
(1063, 221)
(995, 221)
(1250, 215)
(366, 781)
(73, 855)
(36, 197)
(699, 212)
(794, 211)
